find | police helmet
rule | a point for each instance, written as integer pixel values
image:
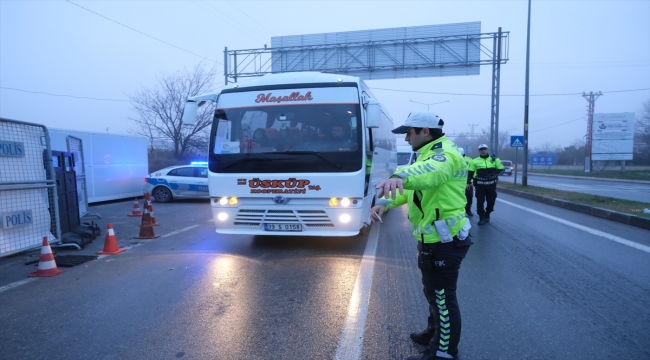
(482, 146)
(462, 151)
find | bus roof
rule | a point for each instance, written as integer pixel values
(306, 77)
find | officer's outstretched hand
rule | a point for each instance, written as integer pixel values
(379, 210)
(388, 188)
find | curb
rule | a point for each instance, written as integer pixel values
(590, 178)
(632, 220)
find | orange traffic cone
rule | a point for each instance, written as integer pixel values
(110, 244)
(146, 229)
(147, 198)
(46, 263)
(153, 218)
(136, 209)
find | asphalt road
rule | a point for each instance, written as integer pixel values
(615, 189)
(539, 283)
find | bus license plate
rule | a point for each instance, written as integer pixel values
(283, 227)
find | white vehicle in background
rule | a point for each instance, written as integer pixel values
(296, 154)
(107, 166)
(405, 155)
(185, 181)
(508, 168)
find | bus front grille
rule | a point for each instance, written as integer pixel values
(308, 218)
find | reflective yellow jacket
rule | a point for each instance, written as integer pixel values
(434, 188)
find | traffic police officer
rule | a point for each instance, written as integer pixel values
(469, 188)
(484, 172)
(434, 189)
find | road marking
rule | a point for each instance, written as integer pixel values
(17, 283)
(180, 231)
(615, 238)
(351, 340)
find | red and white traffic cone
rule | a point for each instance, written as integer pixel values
(110, 243)
(146, 229)
(46, 263)
(136, 209)
(147, 198)
(153, 218)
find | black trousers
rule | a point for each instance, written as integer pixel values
(469, 194)
(439, 283)
(483, 193)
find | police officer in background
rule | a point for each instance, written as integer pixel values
(484, 172)
(433, 189)
(469, 188)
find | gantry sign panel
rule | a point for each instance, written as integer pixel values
(419, 51)
(405, 52)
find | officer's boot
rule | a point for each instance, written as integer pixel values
(487, 216)
(483, 220)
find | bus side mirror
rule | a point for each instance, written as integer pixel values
(189, 113)
(373, 113)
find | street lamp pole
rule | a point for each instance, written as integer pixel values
(429, 104)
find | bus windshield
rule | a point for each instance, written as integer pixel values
(285, 133)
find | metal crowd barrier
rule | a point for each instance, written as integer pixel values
(28, 198)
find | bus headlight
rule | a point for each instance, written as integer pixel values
(334, 201)
(345, 202)
(222, 216)
(233, 201)
(223, 201)
(344, 218)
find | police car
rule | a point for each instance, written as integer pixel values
(188, 181)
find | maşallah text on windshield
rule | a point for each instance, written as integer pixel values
(295, 96)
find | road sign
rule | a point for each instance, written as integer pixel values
(542, 159)
(517, 141)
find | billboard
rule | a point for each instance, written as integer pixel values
(392, 53)
(613, 136)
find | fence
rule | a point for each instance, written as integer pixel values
(75, 146)
(28, 200)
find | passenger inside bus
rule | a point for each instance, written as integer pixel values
(308, 136)
(339, 138)
(260, 142)
(260, 139)
(287, 139)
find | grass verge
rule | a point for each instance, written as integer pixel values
(605, 174)
(604, 202)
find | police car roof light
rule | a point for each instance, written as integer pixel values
(197, 163)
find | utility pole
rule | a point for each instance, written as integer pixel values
(591, 99)
(524, 175)
(473, 136)
(472, 126)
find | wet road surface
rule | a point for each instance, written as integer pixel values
(538, 283)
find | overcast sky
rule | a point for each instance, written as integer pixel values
(58, 48)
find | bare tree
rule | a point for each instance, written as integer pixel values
(546, 148)
(504, 141)
(160, 110)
